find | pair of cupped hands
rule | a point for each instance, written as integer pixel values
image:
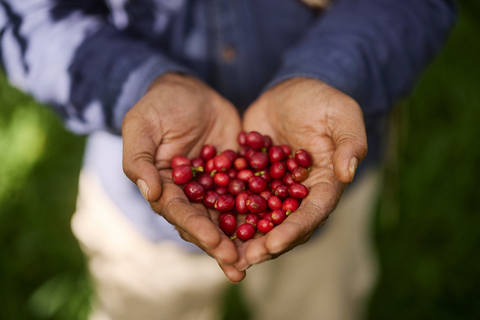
(179, 114)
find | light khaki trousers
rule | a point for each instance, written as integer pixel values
(330, 278)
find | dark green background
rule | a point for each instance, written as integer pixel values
(427, 223)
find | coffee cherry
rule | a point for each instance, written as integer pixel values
(224, 203)
(241, 138)
(281, 192)
(206, 181)
(180, 160)
(254, 140)
(267, 141)
(266, 194)
(278, 216)
(209, 166)
(221, 179)
(240, 203)
(299, 174)
(291, 164)
(290, 204)
(259, 160)
(208, 152)
(209, 199)
(303, 158)
(287, 179)
(240, 164)
(276, 154)
(257, 184)
(245, 232)
(221, 190)
(245, 174)
(252, 218)
(232, 155)
(197, 163)
(228, 224)
(275, 183)
(286, 150)
(265, 225)
(236, 186)
(274, 202)
(298, 191)
(256, 203)
(182, 174)
(222, 162)
(194, 191)
(277, 170)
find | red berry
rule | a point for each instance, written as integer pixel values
(278, 216)
(256, 203)
(206, 181)
(262, 215)
(221, 190)
(291, 164)
(268, 216)
(180, 160)
(299, 174)
(274, 202)
(182, 174)
(194, 191)
(209, 166)
(198, 162)
(236, 186)
(224, 214)
(243, 151)
(286, 150)
(252, 218)
(245, 232)
(281, 192)
(232, 155)
(241, 138)
(276, 154)
(287, 179)
(240, 164)
(208, 152)
(254, 140)
(240, 204)
(210, 198)
(265, 225)
(266, 194)
(232, 173)
(249, 154)
(222, 162)
(259, 160)
(277, 170)
(228, 224)
(224, 203)
(257, 184)
(276, 183)
(303, 158)
(298, 191)
(290, 204)
(245, 174)
(267, 141)
(221, 179)
(264, 174)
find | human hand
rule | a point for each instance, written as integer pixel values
(308, 114)
(177, 116)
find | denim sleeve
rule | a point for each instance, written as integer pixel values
(68, 55)
(372, 50)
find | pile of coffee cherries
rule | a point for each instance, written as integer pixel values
(262, 181)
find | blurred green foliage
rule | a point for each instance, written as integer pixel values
(428, 223)
(427, 226)
(42, 271)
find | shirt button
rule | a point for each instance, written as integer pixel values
(228, 54)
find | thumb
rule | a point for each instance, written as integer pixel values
(139, 149)
(350, 140)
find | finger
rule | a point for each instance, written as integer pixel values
(350, 141)
(233, 275)
(139, 148)
(299, 226)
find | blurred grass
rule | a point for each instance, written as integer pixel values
(427, 227)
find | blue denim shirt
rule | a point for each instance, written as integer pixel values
(91, 60)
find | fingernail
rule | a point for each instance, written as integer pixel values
(352, 166)
(244, 268)
(142, 185)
